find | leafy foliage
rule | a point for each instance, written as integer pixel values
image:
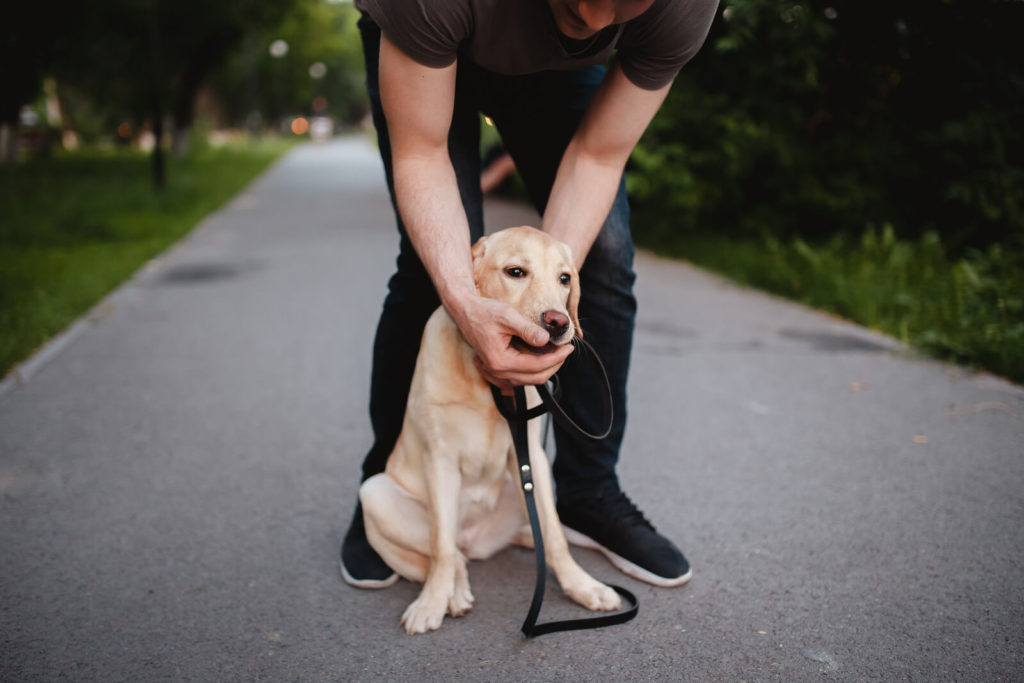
(126, 52)
(813, 117)
(803, 125)
(140, 61)
(315, 31)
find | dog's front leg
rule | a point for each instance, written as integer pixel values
(427, 611)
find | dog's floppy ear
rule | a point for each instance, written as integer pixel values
(573, 303)
(480, 248)
(478, 251)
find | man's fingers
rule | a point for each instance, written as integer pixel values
(510, 348)
(518, 368)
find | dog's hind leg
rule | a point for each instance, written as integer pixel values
(396, 526)
(443, 482)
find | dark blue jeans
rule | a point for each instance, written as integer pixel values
(536, 116)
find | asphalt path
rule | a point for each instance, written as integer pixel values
(177, 469)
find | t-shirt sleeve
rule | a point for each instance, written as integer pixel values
(428, 31)
(655, 46)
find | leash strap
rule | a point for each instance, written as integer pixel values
(550, 404)
(514, 410)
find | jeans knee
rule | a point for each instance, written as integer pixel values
(607, 277)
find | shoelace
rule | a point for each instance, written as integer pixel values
(623, 509)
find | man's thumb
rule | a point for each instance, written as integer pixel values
(527, 330)
(534, 335)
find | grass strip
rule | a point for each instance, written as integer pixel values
(75, 226)
(968, 309)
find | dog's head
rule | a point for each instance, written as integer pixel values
(533, 272)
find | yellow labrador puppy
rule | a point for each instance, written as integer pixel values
(450, 491)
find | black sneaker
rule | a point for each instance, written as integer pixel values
(610, 523)
(361, 566)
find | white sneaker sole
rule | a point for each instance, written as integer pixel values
(366, 583)
(622, 564)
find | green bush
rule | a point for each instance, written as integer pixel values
(811, 118)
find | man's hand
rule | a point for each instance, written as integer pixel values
(489, 326)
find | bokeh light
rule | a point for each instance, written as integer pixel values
(278, 48)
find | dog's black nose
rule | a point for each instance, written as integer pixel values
(555, 323)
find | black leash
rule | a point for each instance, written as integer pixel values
(514, 410)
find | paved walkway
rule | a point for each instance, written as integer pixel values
(174, 482)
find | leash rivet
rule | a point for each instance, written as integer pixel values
(525, 468)
(528, 486)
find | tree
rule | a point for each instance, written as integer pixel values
(320, 56)
(146, 58)
(26, 46)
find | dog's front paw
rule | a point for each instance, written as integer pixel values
(461, 601)
(594, 595)
(424, 614)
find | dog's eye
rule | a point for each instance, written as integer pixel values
(565, 278)
(515, 271)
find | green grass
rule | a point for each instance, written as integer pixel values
(75, 226)
(968, 309)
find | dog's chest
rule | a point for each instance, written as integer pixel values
(483, 463)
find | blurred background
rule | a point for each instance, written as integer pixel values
(865, 158)
(124, 72)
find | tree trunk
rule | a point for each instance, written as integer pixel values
(158, 162)
(8, 143)
(202, 61)
(180, 140)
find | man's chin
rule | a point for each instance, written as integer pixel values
(575, 33)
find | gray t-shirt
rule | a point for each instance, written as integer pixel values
(520, 36)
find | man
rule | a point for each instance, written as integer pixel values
(535, 68)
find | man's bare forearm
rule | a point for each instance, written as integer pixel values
(580, 200)
(431, 208)
(417, 102)
(591, 168)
